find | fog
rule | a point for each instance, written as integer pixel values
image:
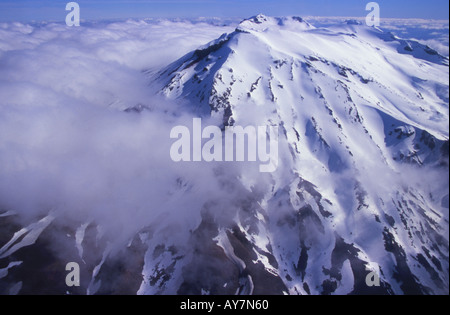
(66, 143)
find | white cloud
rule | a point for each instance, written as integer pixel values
(65, 142)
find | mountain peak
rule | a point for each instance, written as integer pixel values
(259, 19)
(353, 22)
(260, 23)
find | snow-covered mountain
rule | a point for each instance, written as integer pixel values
(355, 105)
(361, 185)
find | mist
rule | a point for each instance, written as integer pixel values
(66, 144)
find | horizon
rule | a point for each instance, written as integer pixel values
(47, 10)
(227, 21)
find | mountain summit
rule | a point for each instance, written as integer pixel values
(261, 23)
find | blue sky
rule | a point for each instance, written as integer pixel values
(28, 10)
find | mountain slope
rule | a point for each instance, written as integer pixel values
(355, 106)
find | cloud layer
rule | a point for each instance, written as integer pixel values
(66, 144)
